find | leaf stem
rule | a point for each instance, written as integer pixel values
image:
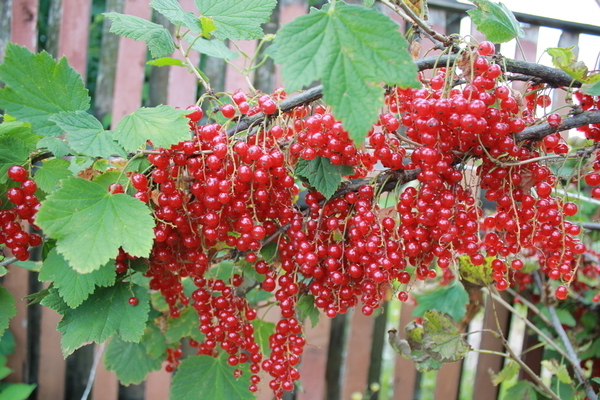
(7, 261)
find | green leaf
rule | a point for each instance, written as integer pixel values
(163, 125)
(37, 86)
(441, 339)
(558, 370)
(156, 346)
(19, 130)
(8, 308)
(306, 308)
(322, 175)
(186, 326)
(130, 361)
(596, 379)
(51, 299)
(508, 372)
(368, 3)
(174, 13)
(105, 313)
(414, 337)
(591, 89)
(205, 377)
(87, 136)
(12, 151)
(72, 286)
(50, 173)
(157, 38)
(91, 224)
(214, 48)
(164, 61)
(29, 265)
(564, 316)
(208, 26)
(480, 275)
(17, 391)
(237, 20)
(262, 331)
(495, 21)
(522, 390)
(352, 50)
(7, 343)
(57, 146)
(565, 59)
(451, 299)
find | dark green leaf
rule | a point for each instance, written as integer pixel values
(91, 224)
(50, 173)
(7, 343)
(8, 308)
(13, 151)
(495, 21)
(306, 308)
(17, 391)
(105, 313)
(173, 11)
(186, 326)
(523, 390)
(57, 146)
(236, 19)
(72, 286)
(158, 39)
(262, 331)
(130, 361)
(322, 175)
(205, 377)
(451, 299)
(37, 87)
(352, 50)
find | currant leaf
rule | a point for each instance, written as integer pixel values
(495, 21)
(451, 299)
(441, 339)
(174, 13)
(12, 151)
(163, 125)
(322, 175)
(37, 87)
(72, 286)
(91, 224)
(352, 50)
(105, 313)
(237, 20)
(206, 377)
(157, 38)
(8, 309)
(49, 174)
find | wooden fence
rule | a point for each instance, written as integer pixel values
(344, 355)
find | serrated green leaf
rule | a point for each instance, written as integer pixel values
(262, 331)
(52, 300)
(105, 313)
(86, 135)
(352, 50)
(558, 370)
(591, 89)
(13, 151)
(8, 308)
(17, 391)
(214, 48)
(156, 346)
(163, 125)
(21, 131)
(7, 343)
(37, 86)
(29, 265)
(38, 297)
(57, 146)
(50, 173)
(508, 372)
(322, 175)
(186, 326)
(441, 339)
(205, 377)
(495, 21)
(414, 336)
(174, 13)
(451, 299)
(522, 390)
(130, 361)
(164, 61)
(157, 38)
(565, 59)
(91, 224)
(237, 20)
(72, 286)
(480, 275)
(306, 308)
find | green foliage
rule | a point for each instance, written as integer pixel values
(37, 87)
(8, 308)
(352, 50)
(508, 372)
(186, 326)
(205, 377)
(495, 21)
(450, 299)
(174, 13)
(480, 275)
(16, 391)
(163, 125)
(10, 391)
(91, 224)
(103, 314)
(262, 331)
(306, 309)
(237, 19)
(565, 59)
(165, 61)
(159, 40)
(322, 175)
(73, 286)
(50, 173)
(523, 390)
(133, 361)
(87, 136)
(13, 151)
(214, 48)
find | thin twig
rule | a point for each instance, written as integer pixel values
(415, 19)
(529, 305)
(7, 261)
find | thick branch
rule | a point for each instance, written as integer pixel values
(538, 132)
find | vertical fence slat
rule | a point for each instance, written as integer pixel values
(158, 385)
(356, 363)
(51, 382)
(405, 374)
(131, 62)
(448, 381)
(106, 384)
(74, 33)
(314, 360)
(23, 25)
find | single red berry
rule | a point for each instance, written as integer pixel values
(228, 111)
(195, 113)
(17, 173)
(561, 292)
(486, 48)
(133, 301)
